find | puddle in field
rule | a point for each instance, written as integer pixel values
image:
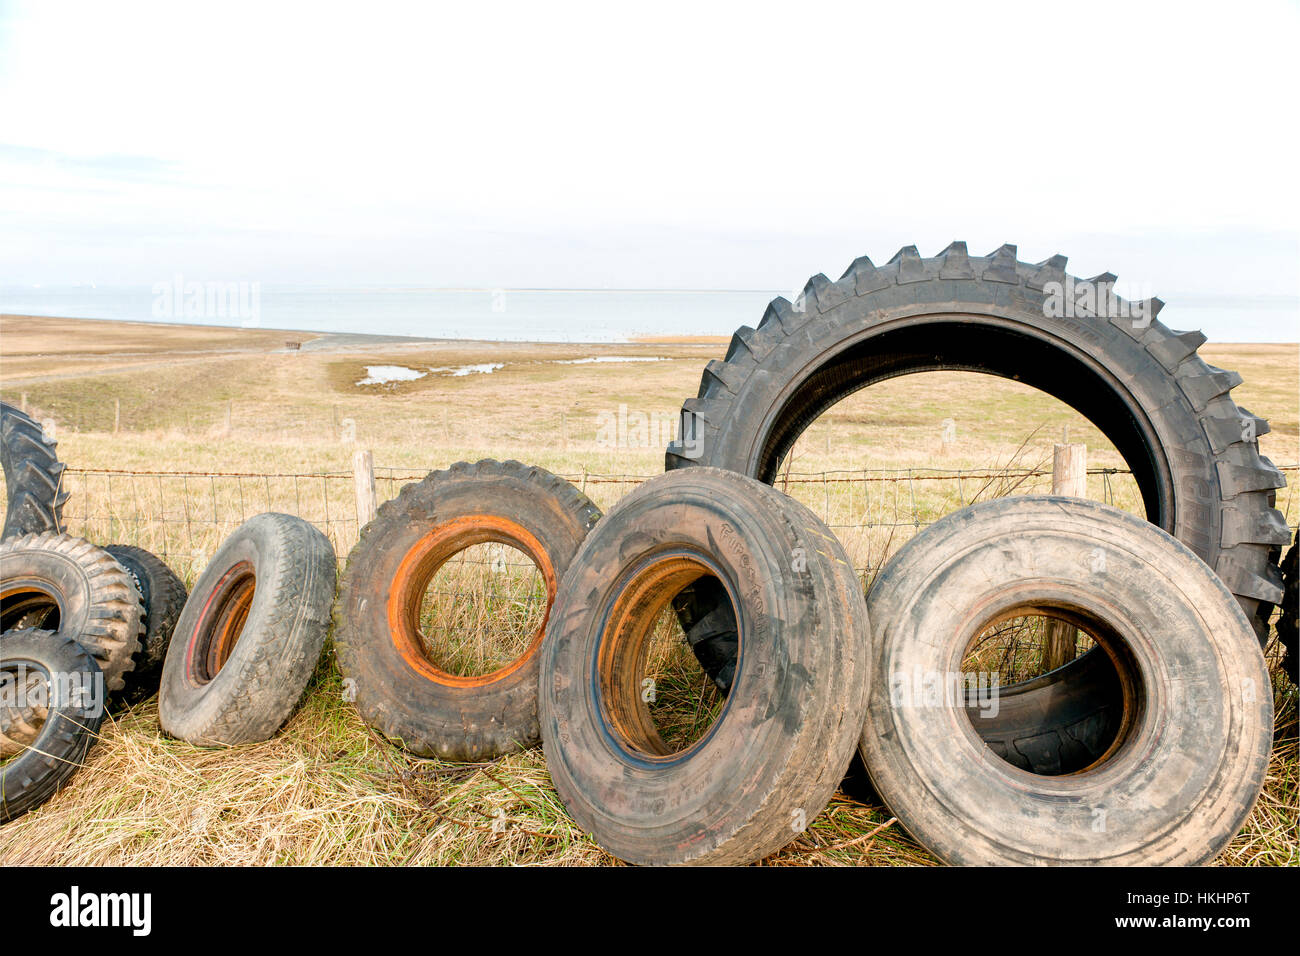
(610, 358)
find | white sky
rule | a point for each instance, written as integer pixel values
(658, 145)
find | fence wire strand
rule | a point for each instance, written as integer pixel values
(184, 516)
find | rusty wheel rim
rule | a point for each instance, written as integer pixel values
(623, 648)
(422, 562)
(221, 623)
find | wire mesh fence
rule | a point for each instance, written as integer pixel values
(184, 516)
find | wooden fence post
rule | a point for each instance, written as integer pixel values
(1069, 477)
(363, 477)
(117, 415)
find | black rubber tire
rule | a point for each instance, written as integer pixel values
(44, 577)
(1188, 764)
(1288, 621)
(70, 728)
(163, 595)
(33, 476)
(250, 635)
(1168, 413)
(784, 737)
(398, 690)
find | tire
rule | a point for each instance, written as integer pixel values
(250, 635)
(1170, 415)
(33, 476)
(1190, 757)
(58, 582)
(401, 692)
(1288, 622)
(163, 595)
(33, 772)
(784, 736)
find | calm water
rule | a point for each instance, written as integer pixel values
(534, 315)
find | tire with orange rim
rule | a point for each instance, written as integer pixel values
(250, 635)
(402, 688)
(772, 756)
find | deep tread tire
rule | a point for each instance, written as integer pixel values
(402, 694)
(242, 653)
(163, 595)
(33, 476)
(1193, 451)
(98, 604)
(1187, 766)
(44, 765)
(774, 755)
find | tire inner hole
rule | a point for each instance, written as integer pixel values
(482, 609)
(1077, 724)
(657, 697)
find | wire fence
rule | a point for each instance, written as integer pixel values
(184, 516)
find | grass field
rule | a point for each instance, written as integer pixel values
(326, 790)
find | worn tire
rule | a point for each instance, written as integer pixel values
(163, 596)
(49, 577)
(772, 758)
(1190, 758)
(398, 690)
(250, 635)
(37, 769)
(33, 476)
(1288, 621)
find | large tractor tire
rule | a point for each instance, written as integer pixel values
(1193, 452)
(33, 476)
(1288, 621)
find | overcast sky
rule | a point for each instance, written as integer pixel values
(652, 145)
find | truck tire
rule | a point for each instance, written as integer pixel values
(399, 690)
(782, 741)
(163, 595)
(66, 584)
(67, 721)
(1189, 758)
(250, 635)
(33, 476)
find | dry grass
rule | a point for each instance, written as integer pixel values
(325, 791)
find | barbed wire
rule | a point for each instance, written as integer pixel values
(183, 516)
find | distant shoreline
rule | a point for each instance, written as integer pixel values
(359, 339)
